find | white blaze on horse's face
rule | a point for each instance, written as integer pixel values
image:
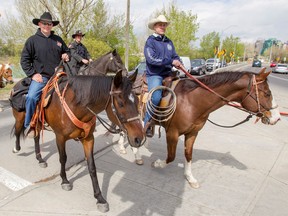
(7, 66)
(131, 98)
(275, 113)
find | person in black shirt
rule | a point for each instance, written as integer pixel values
(80, 56)
(40, 56)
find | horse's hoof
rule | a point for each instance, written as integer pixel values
(103, 207)
(66, 187)
(123, 151)
(43, 164)
(15, 150)
(139, 161)
(194, 185)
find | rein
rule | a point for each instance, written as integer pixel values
(259, 114)
(120, 119)
(86, 126)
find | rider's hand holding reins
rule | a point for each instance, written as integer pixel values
(65, 57)
(176, 63)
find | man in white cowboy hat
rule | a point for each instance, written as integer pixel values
(79, 54)
(160, 57)
(40, 56)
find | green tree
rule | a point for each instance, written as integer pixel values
(230, 44)
(208, 44)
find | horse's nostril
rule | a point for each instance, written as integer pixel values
(138, 141)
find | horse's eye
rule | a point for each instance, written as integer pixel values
(268, 94)
(121, 104)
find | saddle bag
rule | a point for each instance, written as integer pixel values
(18, 94)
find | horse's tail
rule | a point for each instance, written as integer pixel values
(12, 133)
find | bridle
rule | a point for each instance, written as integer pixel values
(2, 77)
(251, 85)
(112, 94)
(102, 72)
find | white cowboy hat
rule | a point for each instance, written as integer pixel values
(160, 18)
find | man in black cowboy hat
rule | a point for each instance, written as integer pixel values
(40, 56)
(80, 56)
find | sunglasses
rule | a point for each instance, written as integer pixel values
(47, 23)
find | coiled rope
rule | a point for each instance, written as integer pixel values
(158, 113)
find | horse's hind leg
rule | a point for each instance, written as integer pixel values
(189, 142)
(88, 145)
(63, 159)
(18, 129)
(42, 163)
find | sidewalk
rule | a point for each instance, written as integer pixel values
(241, 171)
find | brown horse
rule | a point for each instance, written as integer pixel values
(110, 62)
(5, 75)
(195, 103)
(85, 97)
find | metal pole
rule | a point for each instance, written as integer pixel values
(270, 56)
(127, 34)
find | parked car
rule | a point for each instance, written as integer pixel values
(141, 68)
(198, 67)
(211, 63)
(273, 64)
(256, 63)
(187, 64)
(280, 68)
(223, 63)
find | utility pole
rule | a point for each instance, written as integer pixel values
(127, 34)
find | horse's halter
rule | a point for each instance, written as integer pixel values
(253, 83)
(3, 79)
(103, 73)
(120, 118)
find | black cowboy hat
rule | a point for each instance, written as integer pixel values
(78, 32)
(46, 16)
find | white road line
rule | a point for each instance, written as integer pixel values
(12, 181)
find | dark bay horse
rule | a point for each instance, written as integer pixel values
(195, 103)
(85, 97)
(110, 62)
(5, 75)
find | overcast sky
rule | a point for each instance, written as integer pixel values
(248, 19)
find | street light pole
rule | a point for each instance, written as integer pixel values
(127, 34)
(221, 43)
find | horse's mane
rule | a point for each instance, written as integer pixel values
(95, 89)
(214, 80)
(90, 89)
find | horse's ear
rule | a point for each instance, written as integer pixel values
(133, 76)
(118, 79)
(263, 74)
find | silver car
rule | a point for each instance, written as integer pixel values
(281, 68)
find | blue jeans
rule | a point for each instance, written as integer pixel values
(154, 81)
(32, 98)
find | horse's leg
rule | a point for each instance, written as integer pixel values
(42, 163)
(18, 129)
(138, 157)
(88, 145)
(17, 133)
(189, 142)
(63, 158)
(172, 140)
(121, 142)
